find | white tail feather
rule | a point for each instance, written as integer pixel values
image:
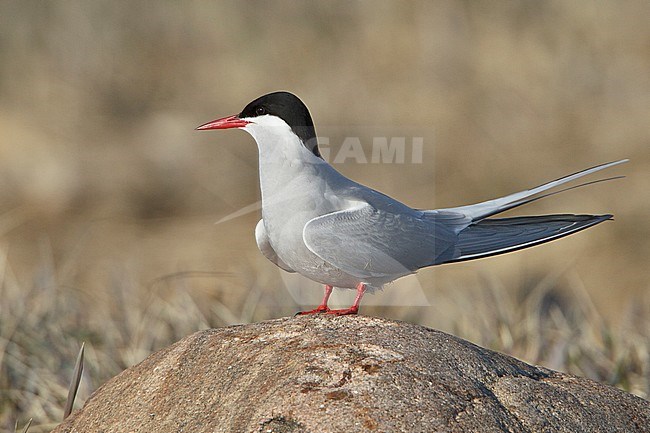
(491, 207)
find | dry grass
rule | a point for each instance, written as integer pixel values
(108, 198)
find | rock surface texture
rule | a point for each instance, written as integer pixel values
(348, 374)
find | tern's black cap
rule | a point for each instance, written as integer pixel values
(289, 108)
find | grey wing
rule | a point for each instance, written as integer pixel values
(373, 244)
(265, 247)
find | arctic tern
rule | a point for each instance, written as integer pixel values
(335, 231)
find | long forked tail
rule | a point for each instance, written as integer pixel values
(490, 237)
(488, 208)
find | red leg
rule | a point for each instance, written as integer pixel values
(354, 309)
(322, 308)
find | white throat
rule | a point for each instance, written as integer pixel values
(277, 143)
(274, 137)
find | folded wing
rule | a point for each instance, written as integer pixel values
(376, 245)
(502, 235)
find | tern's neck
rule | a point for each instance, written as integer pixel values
(286, 165)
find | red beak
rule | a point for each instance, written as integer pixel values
(224, 123)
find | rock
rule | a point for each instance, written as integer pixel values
(348, 374)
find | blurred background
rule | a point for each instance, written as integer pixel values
(109, 198)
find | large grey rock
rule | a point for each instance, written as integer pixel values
(348, 374)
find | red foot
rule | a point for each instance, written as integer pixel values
(317, 310)
(323, 308)
(344, 311)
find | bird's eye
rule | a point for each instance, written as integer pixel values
(260, 111)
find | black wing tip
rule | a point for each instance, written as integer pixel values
(569, 217)
(601, 218)
(587, 221)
